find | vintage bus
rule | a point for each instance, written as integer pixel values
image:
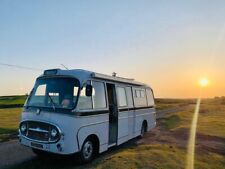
(83, 112)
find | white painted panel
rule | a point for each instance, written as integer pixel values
(123, 125)
(96, 124)
(144, 114)
(131, 123)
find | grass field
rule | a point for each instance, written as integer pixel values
(10, 111)
(9, 122)
(12, 101)
(163, 147)
(162, 103)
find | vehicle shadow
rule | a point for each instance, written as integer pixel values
(73, 161)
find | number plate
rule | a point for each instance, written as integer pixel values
(36, 145)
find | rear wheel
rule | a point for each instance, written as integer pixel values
(143, 130)
(88, 151)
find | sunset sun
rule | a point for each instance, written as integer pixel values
(203, 82)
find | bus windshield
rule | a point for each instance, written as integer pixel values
(54, 93)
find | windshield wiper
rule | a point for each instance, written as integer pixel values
(53, 104)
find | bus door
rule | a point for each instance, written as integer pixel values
(113, 114)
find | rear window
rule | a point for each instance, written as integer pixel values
(150, 97)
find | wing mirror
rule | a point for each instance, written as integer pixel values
(89, 89)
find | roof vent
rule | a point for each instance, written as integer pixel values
(51, 72)
(114, 74)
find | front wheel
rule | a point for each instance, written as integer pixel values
(87, 151)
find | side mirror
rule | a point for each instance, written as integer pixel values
(88, 91)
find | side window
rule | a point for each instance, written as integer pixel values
(140, 97)
(98, 95)
(142, 93)
(41, 90)
(137, 93)
(121, 96)
(39, 95)
(150, 97)
(84, 102)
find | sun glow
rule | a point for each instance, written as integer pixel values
(192, 137)
(203, 82)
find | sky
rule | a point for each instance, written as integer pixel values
(169, 45)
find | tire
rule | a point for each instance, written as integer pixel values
(87, 152)
(143, 130)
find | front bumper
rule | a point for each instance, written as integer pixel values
(57, 148)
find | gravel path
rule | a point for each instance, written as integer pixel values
(162, 113)
(12, 153)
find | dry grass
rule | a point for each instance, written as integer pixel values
(162, 148)
(210, 122)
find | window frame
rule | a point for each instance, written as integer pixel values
(144, 92)
(86, 109)
(124, 87)
(106, 102)
(153, 97)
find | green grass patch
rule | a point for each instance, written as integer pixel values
(171, 122)
(9, 122)
(12, 101)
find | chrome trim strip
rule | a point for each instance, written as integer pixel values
(125, 117)
(38, 130)
(145, 114)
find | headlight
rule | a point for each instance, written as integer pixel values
(54, 132)
(23, 128)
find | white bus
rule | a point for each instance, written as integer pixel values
(71, 111)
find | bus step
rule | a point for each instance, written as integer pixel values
(111, 145)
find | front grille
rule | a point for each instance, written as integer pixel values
(38, 135)
(41, 125)
(39, 131)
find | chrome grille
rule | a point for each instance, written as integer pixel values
(40, 131)
(38, 135)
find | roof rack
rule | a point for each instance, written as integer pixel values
(116, 78)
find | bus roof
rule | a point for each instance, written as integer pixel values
(84, 75)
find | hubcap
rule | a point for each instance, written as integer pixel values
(87, 150)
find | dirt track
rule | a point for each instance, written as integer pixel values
(179, 138)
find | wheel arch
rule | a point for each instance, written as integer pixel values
(83, 136)
(96, 142)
